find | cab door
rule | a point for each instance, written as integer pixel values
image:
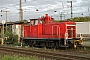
(71, 30)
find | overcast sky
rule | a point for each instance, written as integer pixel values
(44, 6)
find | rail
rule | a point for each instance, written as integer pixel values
(45, 54)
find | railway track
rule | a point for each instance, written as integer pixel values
(39, 53)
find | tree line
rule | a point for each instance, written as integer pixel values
(76, 19)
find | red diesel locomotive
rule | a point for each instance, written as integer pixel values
(46, 33)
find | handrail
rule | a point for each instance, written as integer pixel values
(58, 30)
